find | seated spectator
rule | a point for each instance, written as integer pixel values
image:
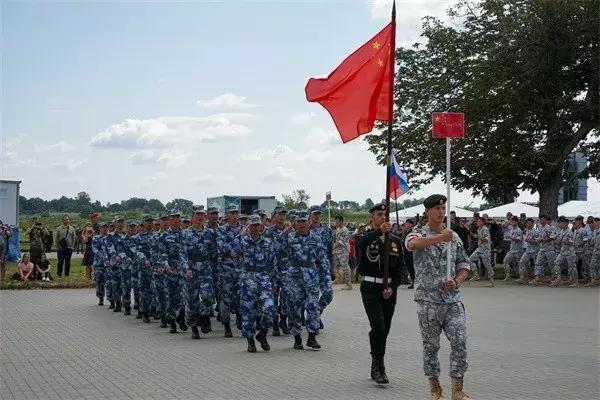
(27, 271)
(44, 270)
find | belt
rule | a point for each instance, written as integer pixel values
(372, 279)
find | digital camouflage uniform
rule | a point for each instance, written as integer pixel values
(135, 268)
(595, 259)
(516, 249)
(546, 254)
(116, 256)
(531, 245)
(483, 252)
(158, 285)
(126, 247)
(579, 244)
(325, 282)
(100, 258)
(281, 266)
(566, 255)
(256, 258)
(341, 252)
(198, 254)
(229, 272)
(308, 260)
(145, 242)
(440, 310)
(169, 247)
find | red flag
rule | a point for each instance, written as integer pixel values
(448, 125)
(357, 92)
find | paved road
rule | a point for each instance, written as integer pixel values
(525, 343)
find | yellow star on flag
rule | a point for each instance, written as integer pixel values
(380, 62)
(376, 45)
(438, 118)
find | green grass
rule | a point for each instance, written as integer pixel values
(76, 278)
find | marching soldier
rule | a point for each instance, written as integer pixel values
(439, 304)
(567, 255)
(100, 258)
(531, 245)
(483, 252)
(145, 271)
(326, 235)
(546, 254)
(515, 235)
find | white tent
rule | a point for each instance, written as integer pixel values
(574, 208)
(515, 208)
(411, 212)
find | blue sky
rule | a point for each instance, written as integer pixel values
(189, 100)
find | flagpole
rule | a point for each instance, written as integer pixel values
(448, 221)
(329, 213)
(387, 244)
(397, 219)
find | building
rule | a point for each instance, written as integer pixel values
(575, 187)
(9, 202)
(246, 204)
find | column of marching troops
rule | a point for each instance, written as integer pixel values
(270, 278)
(548, 249)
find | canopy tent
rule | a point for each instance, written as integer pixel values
(411, 212)
(574, 208)
(515, 208)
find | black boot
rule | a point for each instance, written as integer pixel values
(153, 312)
(163, 321)
(262, 339)
(127, 310)
(112, 305)
(101, 302)
(283, 324)
(381, 377)
(276, 326)
(238, 321)
(136, 306)
(139, 315)
(155, 316)
(146, 318)
(312, 341)
(412, 284)
(182, 324)
(117, 306)
(374, 368)
(251, 345)
(173, 327)
(228, 330)
(195, 333)
(298, 342)
(205, 325)
(218, 318)
(321, 326)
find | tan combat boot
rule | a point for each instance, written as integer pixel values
(574, 282)
(457, 390)
(436, 389)
(556, 281)
(490, 282)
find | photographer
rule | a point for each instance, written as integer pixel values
(37, 234)
(65, 239)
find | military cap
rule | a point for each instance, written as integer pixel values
(434, 200)
(302, 216)
(147, 217)
(174, 213)
(94, 215)
(112, 224)
(198, 209)
(377, 207)
(280, 209)
(562, 218)
(232, 208)
(315, 209)
(261, 212)
(103, 224)
(410, 221)
(579, 218)
(243, 216)
(254, 219)
(163, 216)
(185, 219)
(119, 218)
(292, 214)
(132, 223)
(212, 210)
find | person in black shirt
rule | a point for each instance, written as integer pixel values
(463, 232)
(378, 299)
(408, 256)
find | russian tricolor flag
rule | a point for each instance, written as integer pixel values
(398, 180)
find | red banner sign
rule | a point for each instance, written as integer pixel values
(448, 125)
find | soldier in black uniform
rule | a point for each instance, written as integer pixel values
(378, 299)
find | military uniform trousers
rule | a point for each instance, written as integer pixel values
(257, 304)
(380, 312)
(144, 280)
(159, 292)
(280, 295)
(326, 286)
(100, 279)
(544, 258)
(199, 293)
(585, 258)
(526, 260)
(229, 278)
(451, 319)
(115, 283)
(568, 258)
(135, 283)
(512, 258)
(174, 306)
(595, 266)
(108, 283)
(303, 291)
(126, 286)
(341, 261)
(483, 255)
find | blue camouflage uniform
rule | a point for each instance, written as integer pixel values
(135, 268)
(257, 304)
(100, 258)
(197, 255)
(228, 271)
(308, 260)
(325, 281)
(281, 268)
(117, 256)
(145, 271)
(169, 245)
(158, 276)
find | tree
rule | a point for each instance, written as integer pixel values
(525, 73)
(298, 200)
(182, 205)
(368, 205)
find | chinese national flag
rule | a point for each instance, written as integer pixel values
(448, 125)
(357, 92)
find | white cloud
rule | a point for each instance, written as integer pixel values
(173, 158)
(303, 118)
(262, 153)
(279, 174)
(170, 131)
(159, 176)
(142, 157)
(226, 101)
(58, 147)
(324, 137)
(68, 165)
